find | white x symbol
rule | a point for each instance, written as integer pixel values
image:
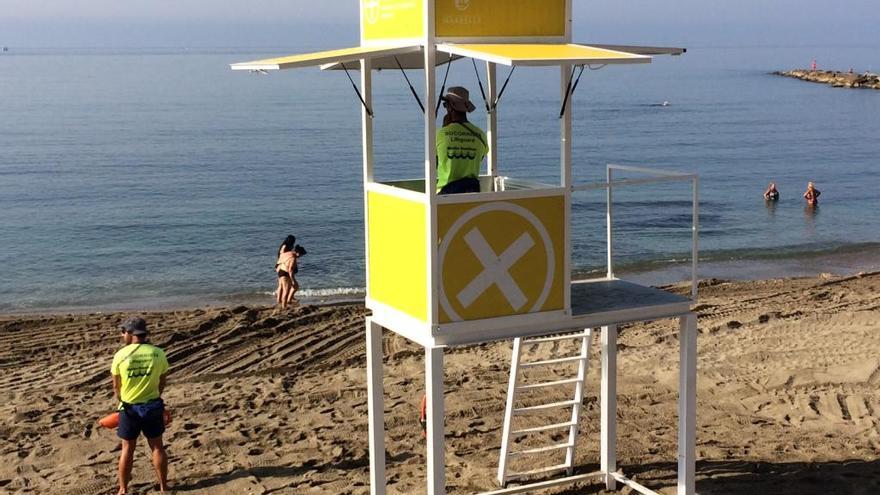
(495, 269)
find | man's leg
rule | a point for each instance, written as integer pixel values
(160, 461)
(126, 458)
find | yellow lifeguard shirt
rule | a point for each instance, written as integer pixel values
(461, 148)
(140, 366)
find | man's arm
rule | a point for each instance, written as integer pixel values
(162, 383)
(117, 385)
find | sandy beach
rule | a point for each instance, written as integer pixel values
(788, 399)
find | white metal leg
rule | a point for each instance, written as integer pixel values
(687, 404)
(376, 408)
(608, 445)
(436, 417)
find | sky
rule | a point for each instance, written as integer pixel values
(232, 23)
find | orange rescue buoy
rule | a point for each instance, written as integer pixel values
(111, 421)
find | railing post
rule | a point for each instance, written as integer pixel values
(695, 245)
(609, 214)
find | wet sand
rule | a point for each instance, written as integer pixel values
(788, 399)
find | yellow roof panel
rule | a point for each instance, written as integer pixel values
(543, 54)
(327, 57)
(409, 60)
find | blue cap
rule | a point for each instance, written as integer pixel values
(134, 326)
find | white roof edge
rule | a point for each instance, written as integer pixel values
(373, 51)
(640, 50)
(245, 66)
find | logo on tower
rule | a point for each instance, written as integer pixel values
(462, 4)
(371, 10)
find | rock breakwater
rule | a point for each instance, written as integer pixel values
(835, 78)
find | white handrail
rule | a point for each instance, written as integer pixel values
(645, 170)
(659, 176)
(633, 182)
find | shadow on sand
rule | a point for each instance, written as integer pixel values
(851, 477)
(260, 472)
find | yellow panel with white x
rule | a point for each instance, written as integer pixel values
(501, 258)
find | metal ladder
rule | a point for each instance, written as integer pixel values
(511, 411)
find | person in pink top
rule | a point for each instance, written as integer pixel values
(284, 267)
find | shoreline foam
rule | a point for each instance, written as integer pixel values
(781, 263)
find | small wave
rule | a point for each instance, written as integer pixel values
(799, 251)
(862, 255)
(337, 291)
(332, 292)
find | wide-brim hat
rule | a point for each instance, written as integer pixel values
(459, 99)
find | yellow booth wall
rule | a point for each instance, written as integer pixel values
(404, 19)
(398, 260)
(392, 19)
(499, 18)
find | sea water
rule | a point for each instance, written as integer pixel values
(143, 178)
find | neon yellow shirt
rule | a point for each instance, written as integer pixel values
(140, 366)
(461, 148)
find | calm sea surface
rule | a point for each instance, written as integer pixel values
(146, 178)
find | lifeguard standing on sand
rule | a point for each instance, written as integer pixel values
(138, 372)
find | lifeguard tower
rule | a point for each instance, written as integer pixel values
(464, 269)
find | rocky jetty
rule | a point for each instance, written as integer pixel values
(835, 78)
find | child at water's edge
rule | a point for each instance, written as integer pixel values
(298, 252)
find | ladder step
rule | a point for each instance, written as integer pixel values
(553, 361)
(540, 449)
(523, 474)
(548, 384)
(545, 406)
(570, 336)
(543, 428)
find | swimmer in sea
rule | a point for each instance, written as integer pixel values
(771, 194)
(812, 195)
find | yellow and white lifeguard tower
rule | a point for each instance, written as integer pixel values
(463, 269)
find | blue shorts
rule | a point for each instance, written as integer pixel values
(148, 418)
(465, 185)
